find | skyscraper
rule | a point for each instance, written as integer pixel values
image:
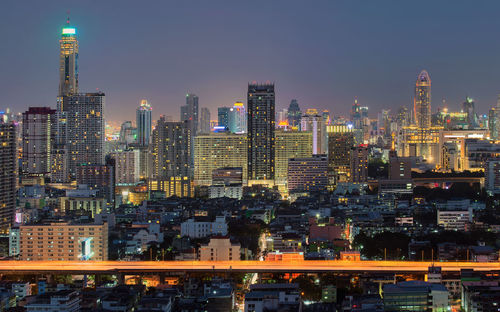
(294, 114)
(238, 118)
(37, 140)
(171, 149)
(8, 174)
(85, 133)
(422, 101)
(143, 124)
(261, 126)
(68, 61)
(314, 123)
(359, 164)
(223, 116)
(205, 120)
(340, 143)
(469, 108)
(190, 112)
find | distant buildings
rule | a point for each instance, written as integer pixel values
(223, 117)
(294, 114)
(359, 164)
(340, 144)
(261, 128)
(308, 174)
(204, 121)
(189, 112)
(238, 118)
(315, 123)
(143, 123)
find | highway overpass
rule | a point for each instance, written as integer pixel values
(302, 266)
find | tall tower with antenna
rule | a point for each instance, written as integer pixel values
(68, 61)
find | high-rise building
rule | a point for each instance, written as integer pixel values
(37, 140)
(340, 143)
(218, 150)
(143, 124)
(171, 149)
(294, 114)
(469, 108)
(356, 114)
(205, 120)
(290, 144)
(85, 132)
(315, 123)
(100, 178)
(190, 112)
(261, 126)
(492, 176)
(308, 174)
(238, 118)
(359, 164)
(127, 166)
(68, 61)
(492, 123)
(223, 116)
(8, 175)
(422, 101)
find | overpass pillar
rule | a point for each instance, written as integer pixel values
(120, 278)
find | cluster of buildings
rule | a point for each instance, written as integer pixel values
(256, 184)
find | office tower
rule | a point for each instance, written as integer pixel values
(340, 143)
(85, 129)
(204, 120)
(492, 123)
(314, 123)
(8, 174)
(261, 126)
(218, 150)
(100, 178)
(468, 107)
(63, 242)
(190, 112)
(359, 164)
(294, 114)
(308, 174)
(68, 61)
(128, 133)
(422, 101)
(37, 140)
(223, 116)
(290, 144)
(238, 118)
(143, 124)
(171, 148)
(326, 117)
(356, 114)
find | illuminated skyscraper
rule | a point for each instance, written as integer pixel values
(37, 140)
(422, 101)
(238, 118)
(68, 61)
(143, 123)
(261, 126)
(340, 144)
(8, 174)
(85, 132)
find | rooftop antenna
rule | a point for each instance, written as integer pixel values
(67, 20)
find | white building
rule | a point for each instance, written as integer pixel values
(455, 220)
(196, 229)
(127, 166)
(61, 301)
(217, 191)
(220, 249)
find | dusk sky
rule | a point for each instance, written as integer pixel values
(323, 53)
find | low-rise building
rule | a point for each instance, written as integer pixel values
(220, 249)
(63, 301)
(202, 227)
(415, 296)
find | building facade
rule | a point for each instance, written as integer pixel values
(8, 175)
(143, 124)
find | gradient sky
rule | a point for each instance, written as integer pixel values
(322, 53)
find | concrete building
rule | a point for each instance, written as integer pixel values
(273, 297)
(415, 296)
(359, 164)
(261, 139)
(290, 144)
(38, 136)
(219, 249)
(455, 219)
(218, 150)
(60, 301)
(477, 152)
(128, 166)
(308, 174)
(99, 177)
(63, 242)
(340, 144)
(8, 176)
(492, 176)
(197, 228)
(315, 123)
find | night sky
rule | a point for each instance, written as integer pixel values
(322, 53)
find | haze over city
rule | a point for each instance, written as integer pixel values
(323, 53)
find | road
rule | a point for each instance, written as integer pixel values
(141, 267)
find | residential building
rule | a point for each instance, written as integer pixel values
(8, 176)
(359, 164)
(204, 120)
(220, 249)
(308, 174)
(202, 227)
(340, 144)
(60, 301)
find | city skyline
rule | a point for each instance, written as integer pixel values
(185, 63)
